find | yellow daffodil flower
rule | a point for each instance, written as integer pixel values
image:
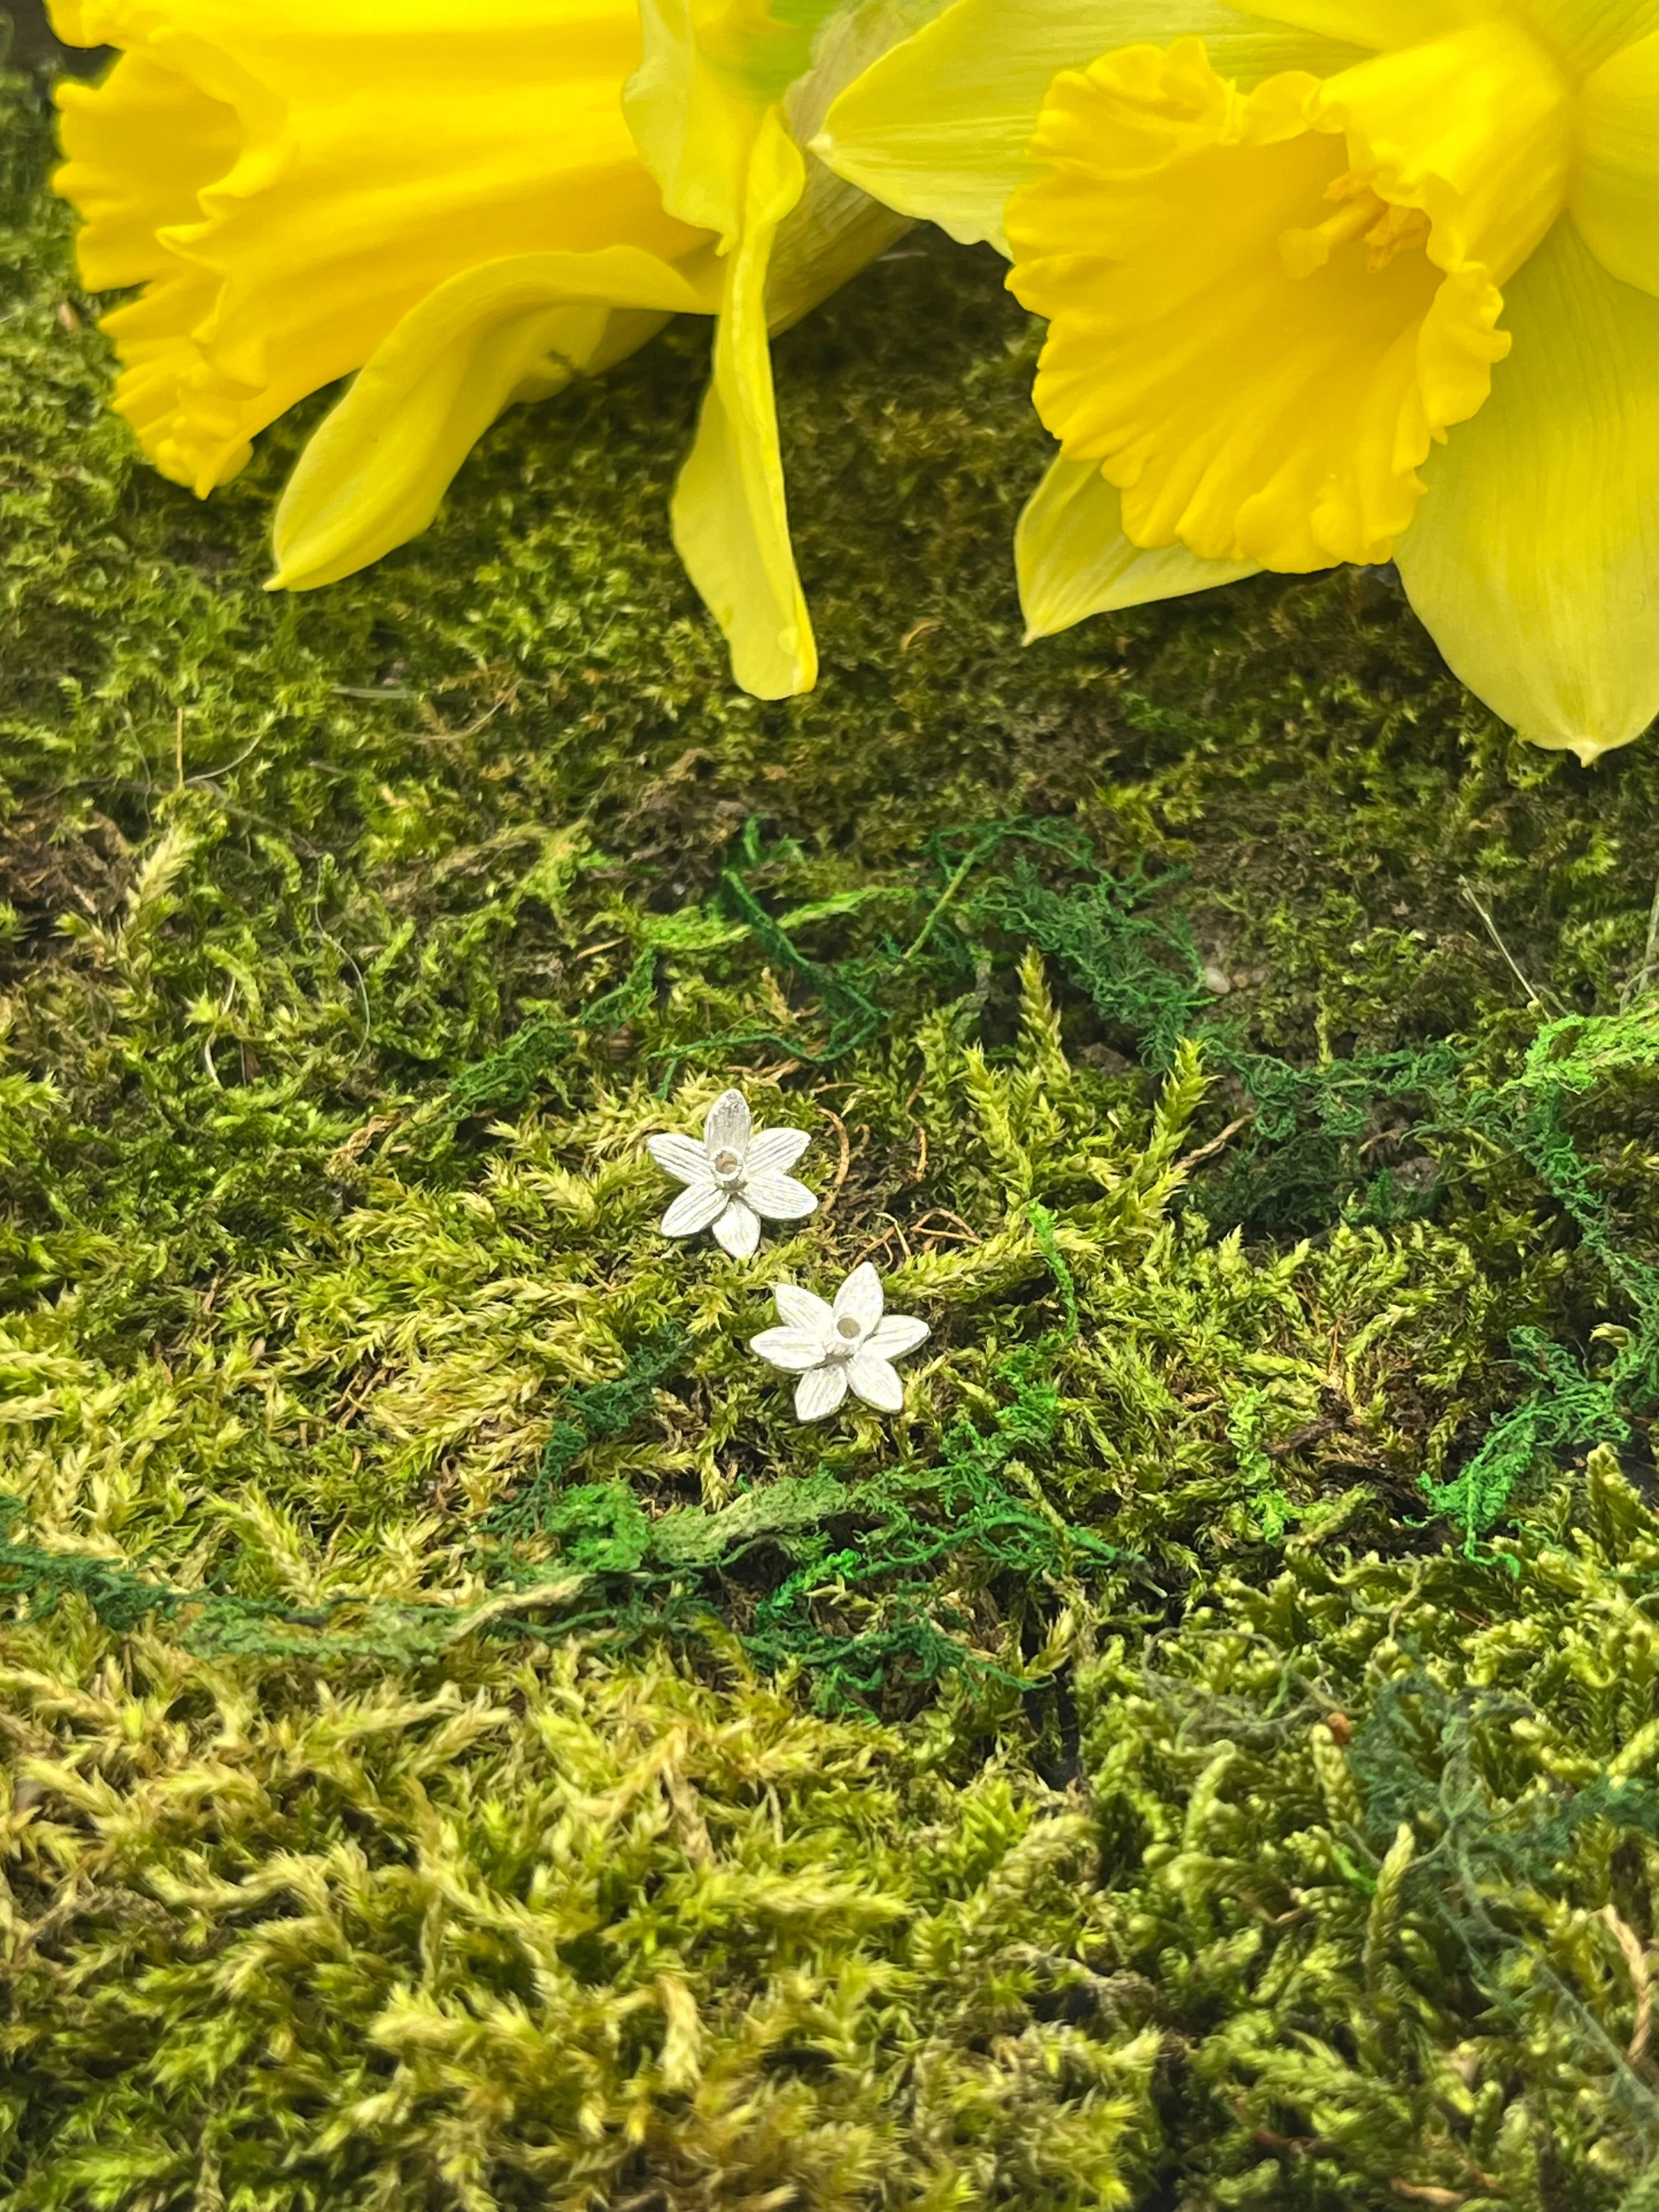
(1325, 280)
(447, 198)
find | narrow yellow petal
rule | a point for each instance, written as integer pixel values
(373, 474)
(1582, 33)
(695, 127)
(725, 92)
(709, 70)
(1379, 24)
(731, 519)
(1535, 556)
(1615, 197)
(1587, 33)
(941, 126)
(1075, 560)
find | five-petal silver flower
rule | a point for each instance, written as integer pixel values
(848, 1346)
(735, 1179)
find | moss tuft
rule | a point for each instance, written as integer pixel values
(466, 1746)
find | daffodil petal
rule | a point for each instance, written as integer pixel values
(1582, 33)
(141, 146)
(1379, 24)
(1615, 197)
(708, 78)
(941, 126)
(694, 126)
(694, 1210)
(730, 514)
(1534, 558)
(738, 1230)
(1075, 560)
(681, 1156)
(1586, 32)
(374, 474)
(795, 1350)
(820, 1391)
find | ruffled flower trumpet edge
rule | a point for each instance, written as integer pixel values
(835, 1348)
(735, 1179)
(1458, 368)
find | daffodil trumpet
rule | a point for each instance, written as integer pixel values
(446, 203)
(1325, 280)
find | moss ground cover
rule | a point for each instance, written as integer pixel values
(463, 1747)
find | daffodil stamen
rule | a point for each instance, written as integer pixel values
(1398, 230)
(1361, 214)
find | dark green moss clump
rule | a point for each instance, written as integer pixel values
(463, 1747)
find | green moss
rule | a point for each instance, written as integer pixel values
(468, 1747)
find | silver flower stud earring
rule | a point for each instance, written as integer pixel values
(735, 1179)
(848, 1346)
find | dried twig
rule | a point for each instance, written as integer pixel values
(841, 1166)
(1636, 1958)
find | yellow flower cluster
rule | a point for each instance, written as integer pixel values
(1325, 280)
